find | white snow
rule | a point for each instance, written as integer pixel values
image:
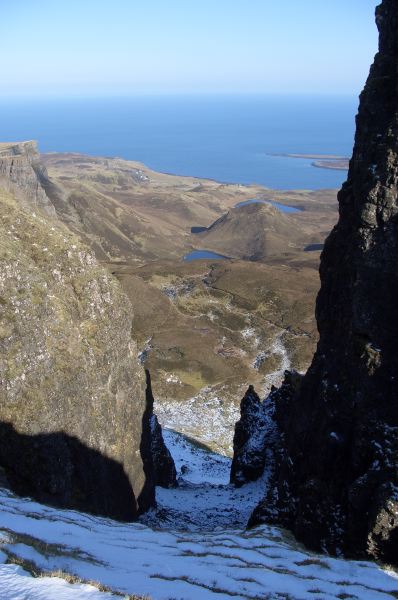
(206, 416)
(213, 557)
(203, 466)
(275, 378)
(143, 354)
(204, 500)
(171, 378)
(18, 584)
(250, 334)
(260, 358)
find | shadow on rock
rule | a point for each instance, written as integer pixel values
(57, 469)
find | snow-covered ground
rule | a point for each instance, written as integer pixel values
(204, 500)
(206, 416)
(195, 548)
(18, 584)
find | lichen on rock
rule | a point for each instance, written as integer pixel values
(68, 365)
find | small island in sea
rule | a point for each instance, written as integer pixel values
(322, 161)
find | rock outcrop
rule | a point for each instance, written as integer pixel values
(164, 469)
(249, 440)
(72, 396)
(22, 174)
(336, 477)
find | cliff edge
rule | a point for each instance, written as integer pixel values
(22, 174)
(72, 396)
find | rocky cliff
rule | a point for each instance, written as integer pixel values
(20, 174)
(335, 482)
(74, 418)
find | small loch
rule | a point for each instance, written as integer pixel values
(203, 255)
(313, 247)
(282, 207)
(198, 229)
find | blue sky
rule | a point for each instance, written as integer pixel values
(113, 47)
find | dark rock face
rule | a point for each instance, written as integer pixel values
(256, 438)
(60, 470)
(336, 478)
(163, 467)
(249, 440)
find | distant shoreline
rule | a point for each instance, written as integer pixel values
(322, 161)
(337, 164)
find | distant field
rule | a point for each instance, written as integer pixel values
(206, 328)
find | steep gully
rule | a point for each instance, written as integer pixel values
(188, 551)
(329, 438)
(43, 461)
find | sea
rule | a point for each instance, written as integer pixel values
(229, 138)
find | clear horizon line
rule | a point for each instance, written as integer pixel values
(134, 94)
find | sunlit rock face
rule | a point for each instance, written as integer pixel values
(72, 395)
(22, 174)
(336, 475)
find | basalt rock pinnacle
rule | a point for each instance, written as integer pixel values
(336, 474)
(249, 440)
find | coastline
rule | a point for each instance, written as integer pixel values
(321, 161)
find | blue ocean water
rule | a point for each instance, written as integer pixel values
(227, 138)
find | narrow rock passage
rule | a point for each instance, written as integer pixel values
(195, 548)
(204, 500)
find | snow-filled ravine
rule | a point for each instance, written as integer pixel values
(193, 546)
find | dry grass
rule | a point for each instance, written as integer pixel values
(35, 571)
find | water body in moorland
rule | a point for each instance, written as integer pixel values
(282, 207)
(235, 138)
(203, 255)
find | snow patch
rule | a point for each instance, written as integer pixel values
(276, 377)
(206, 408)
(143, 355)
(18, 584)
(204, 500)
